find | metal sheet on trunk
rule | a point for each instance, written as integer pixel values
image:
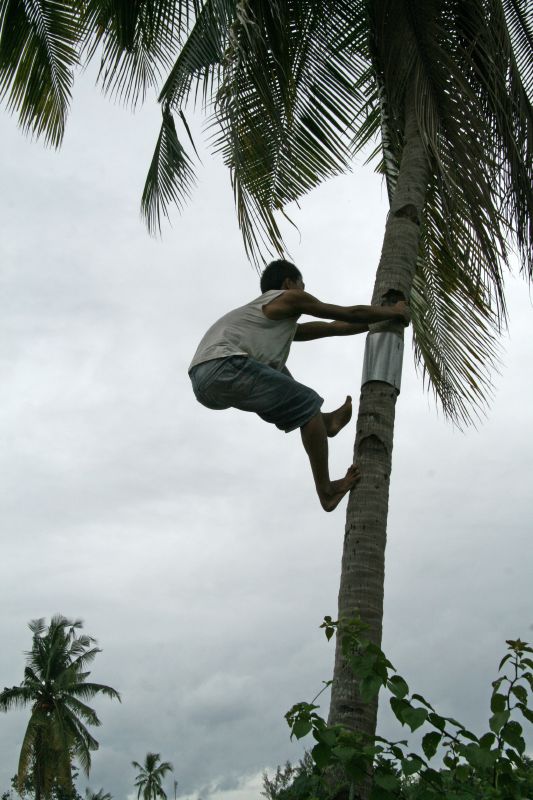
(383, 359)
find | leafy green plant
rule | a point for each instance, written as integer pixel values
(455, 763)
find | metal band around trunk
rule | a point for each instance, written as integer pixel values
(383, 359)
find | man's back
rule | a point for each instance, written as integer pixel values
(246, 331)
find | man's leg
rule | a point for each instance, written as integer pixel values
(315, 440)
(246, 384)
(336, 420)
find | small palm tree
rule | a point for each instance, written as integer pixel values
(148, 781)
(55, 684)
(99, 795)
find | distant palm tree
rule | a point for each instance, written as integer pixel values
(148, 781)
(56, 687)
(99, 795)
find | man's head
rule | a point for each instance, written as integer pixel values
(281, 274)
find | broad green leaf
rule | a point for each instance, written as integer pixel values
(455, 722)
(398, 686)
(504, 660)
(498, 703)
(430, 743)
(415, 717)
(479, 757)
(513, 756)
(322, 755)
(423, 701)
(498, 720)
(369, 687)
(468, 735)
(411, 764)
(397, 751)
(450, 761)
(344, 754)
(512, 734)
(438, 721)
(326, 735)
(526, 712)
(520, 692)
(301, 728)
(399, 708)
(487, 741)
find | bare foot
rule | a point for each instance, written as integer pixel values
(331, 498)
(336, 420)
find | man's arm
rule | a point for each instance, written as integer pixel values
(294, 302)
(306, 331)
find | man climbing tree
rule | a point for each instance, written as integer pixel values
(240, 363)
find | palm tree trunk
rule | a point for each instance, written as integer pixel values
(363, 561)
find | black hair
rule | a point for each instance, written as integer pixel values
(276, 272)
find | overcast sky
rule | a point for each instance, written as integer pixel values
(189, 541)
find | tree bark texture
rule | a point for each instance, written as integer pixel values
(363, 561)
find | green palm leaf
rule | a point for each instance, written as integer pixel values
(137, 41)
(170, 177)
(201, 55)
(38, 50)
(87, 690)
(519, 20)
(284, 108)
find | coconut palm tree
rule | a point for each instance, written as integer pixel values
(99, 795)
(151, 774)
(294, 89)
(55, 685)
(444, 86)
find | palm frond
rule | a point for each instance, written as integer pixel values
(81, 656)
(202, 55)
(138, 41)
(82, 710)
(80, 742)
(456, 336)
(34, 728)
(38, 50)
(170, 177)
(476, 126)
(519, 18)
(285, 106)
(61, 742)
(37, 626)
(87, 690)
(16, 697)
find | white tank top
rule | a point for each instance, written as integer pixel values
(246, 331)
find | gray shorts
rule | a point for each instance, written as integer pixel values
(244, 383)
